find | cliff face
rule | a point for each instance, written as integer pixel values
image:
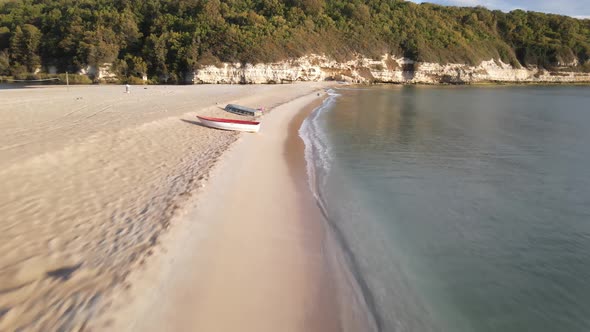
(389, 69)
(103, 72)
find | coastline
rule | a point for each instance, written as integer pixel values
(260, 263)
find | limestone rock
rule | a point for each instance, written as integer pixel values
(388, 69)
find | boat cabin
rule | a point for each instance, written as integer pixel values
(242, 110)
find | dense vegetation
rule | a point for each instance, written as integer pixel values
(165, 38)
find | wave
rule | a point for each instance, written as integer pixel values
(319, 159)
(318, 155)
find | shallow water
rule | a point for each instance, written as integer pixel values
(462, 208)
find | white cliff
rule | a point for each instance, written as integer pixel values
(388, 69)
(103, 72)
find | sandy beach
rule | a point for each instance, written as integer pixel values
(104, 194)
(250, 254)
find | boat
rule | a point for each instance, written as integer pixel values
(242, 110)
(230, 124)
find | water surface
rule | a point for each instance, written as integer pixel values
(463, 208)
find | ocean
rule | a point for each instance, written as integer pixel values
(459, 208)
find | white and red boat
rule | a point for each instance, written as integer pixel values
(230, 124)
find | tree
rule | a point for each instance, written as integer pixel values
(4, 38)
(24, 46)
(4, 63)
(167, 38)
(137, 66)
(100, 46)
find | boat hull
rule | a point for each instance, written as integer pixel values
(229, 124)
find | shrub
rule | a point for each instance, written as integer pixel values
(74, 79)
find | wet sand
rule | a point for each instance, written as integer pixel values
(92, 178)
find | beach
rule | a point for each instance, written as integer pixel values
(250, 258)
(121, 212)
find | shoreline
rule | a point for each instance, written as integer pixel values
(355, 303)
(297, 271)
(326, 294)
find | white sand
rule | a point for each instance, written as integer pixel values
(92, 176)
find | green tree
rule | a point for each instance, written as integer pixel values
(4, 63)
(168, 38)
(4, 38)
(136, 65)
(100, 46)
(24, 46)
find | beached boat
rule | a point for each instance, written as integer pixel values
(242, 110)
(230, 124)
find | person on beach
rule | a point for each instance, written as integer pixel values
(127, 86)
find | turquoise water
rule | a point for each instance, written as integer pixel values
(460, 208)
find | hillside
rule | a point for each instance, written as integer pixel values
(169, 38)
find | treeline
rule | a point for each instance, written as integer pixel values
(165, 39)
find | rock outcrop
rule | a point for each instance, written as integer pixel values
(103, 72)
(388, 69)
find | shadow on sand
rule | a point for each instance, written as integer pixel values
(196, 123)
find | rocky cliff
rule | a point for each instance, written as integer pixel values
(388, 69)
